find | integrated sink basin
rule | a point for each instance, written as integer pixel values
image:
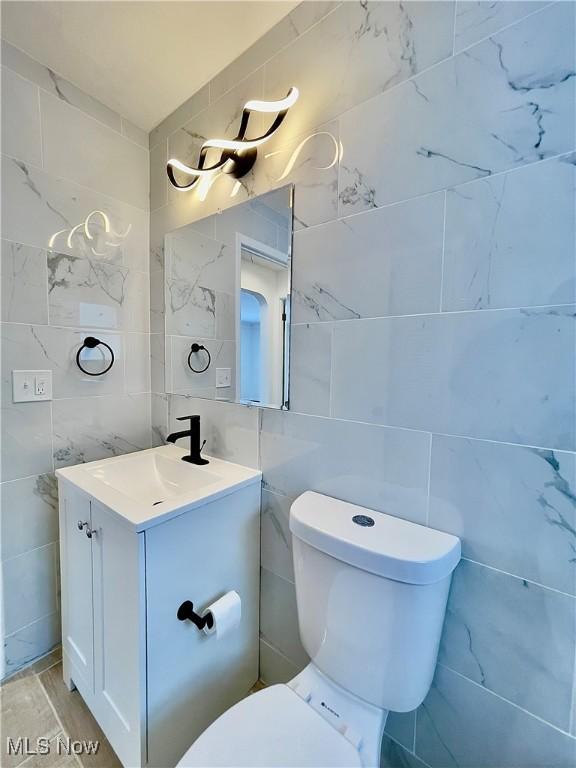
(151, 475)
(148, 487)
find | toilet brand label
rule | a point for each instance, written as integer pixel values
(325, 706)
(364, 520)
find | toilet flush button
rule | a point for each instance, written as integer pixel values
(363, 520)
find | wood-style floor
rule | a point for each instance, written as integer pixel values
(35, 703)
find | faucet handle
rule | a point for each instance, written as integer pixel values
(192, 418)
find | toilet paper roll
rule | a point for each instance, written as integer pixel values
(226, 614)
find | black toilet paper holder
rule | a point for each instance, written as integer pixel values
(186, 612)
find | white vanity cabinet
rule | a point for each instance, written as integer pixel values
(153, 682)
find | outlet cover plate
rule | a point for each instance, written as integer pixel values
(31, 386)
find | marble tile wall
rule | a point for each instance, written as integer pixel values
(67, 272)
(433, 375)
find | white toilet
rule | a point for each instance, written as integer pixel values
(371, 592)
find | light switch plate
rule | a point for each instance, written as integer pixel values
(31, 386)
(223, 377)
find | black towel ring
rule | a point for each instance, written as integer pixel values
(90, 342)
(193, 350)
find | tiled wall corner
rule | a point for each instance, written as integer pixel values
(66, 158)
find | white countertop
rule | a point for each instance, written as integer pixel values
(150, 487)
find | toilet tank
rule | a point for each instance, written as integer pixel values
(371, 591)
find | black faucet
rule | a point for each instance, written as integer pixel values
(193, 433)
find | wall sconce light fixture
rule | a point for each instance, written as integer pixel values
(237, 155)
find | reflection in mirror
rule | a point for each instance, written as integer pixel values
(228, 303)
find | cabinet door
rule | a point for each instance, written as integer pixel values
(77, 605)
(119, 634)
(192, 677)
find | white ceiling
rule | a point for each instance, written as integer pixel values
(142, 59)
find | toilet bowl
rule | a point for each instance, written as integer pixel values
(371, 592)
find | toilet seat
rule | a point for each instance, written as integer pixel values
(273, 728)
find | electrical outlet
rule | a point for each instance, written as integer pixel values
(31, 386)
(223, 377)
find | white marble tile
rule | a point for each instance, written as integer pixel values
(93, 293)
(279, 618)
(40, 210)
(310, 367)
(310, 162)
(275, 536)
(382, 262)
(157, 305)
(111, 426)
(392, 755)
(510, 239)
(463, 725)
(476, 19)
(159, 408)
(504, 375)
(24, 284)
(182, 380)
(137, 365)
(26, 439)
(29, 514)
(20, 119)
(47, 79)
(39, 347)
(32, 641)
(514, 508)
(379, 468)
(157, 362)
(30, 587)
(197, 267)
(359, 50)
(274, 667)
(400, 726)
(506, 102)
(158, 177)
(83, 150)
(532, 662)
(137, 310)
(230, 429)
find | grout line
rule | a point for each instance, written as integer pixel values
(40, 127)
(24, 554)
(441, 304)
(428, 501)
(50, 92)
(501, 29)
(448, 313)
(51, 175)
(40, 618)
(423, 431)
(454, 18)
(490, 692)
(520, 578)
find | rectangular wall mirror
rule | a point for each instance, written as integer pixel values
(227, 298)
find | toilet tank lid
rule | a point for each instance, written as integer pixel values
(373, 541)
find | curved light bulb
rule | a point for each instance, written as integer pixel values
(232, 149)
(256, 105)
